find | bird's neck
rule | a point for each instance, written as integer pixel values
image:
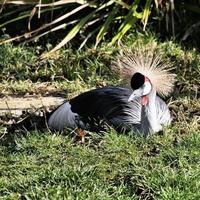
(149, 119)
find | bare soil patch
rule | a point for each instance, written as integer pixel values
(16, 105)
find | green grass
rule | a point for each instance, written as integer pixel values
(21, 68)
(44, 165)
(112, 166)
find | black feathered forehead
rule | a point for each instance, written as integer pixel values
(137, 80)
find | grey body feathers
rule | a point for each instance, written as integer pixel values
(110, 105)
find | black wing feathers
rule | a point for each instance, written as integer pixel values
(102, 102)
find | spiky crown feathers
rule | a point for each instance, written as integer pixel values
(149, 63)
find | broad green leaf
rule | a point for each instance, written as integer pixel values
(106, 25)
(130, 19)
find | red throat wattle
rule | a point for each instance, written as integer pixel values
(144, 100)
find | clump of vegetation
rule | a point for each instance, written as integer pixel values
(97, 20)
(88, 67)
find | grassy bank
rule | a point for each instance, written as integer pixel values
(45, 165)
(54, 166)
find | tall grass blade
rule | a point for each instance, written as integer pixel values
(3, 3)
(29, 34)
(62, 26)
(123, 4)
(106, 25)
(61, 2)
(27, 14)
(72, 33)
(146, 13)
(14, 20)
(20, 2)
(77, 28)
(34, 10)
(130, 19)
(88, 37)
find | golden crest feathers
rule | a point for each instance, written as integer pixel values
(148, 62)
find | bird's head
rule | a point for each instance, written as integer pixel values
(148, 70)
(141, 87)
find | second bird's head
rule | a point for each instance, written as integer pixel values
(141, 87)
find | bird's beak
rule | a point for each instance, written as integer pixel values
(132, 97)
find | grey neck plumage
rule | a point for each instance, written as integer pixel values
(149, 120)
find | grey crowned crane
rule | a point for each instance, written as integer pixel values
(138, 108)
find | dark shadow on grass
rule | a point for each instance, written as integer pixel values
(22, 125)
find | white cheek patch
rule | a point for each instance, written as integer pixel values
(142, 91)
(146, 88)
